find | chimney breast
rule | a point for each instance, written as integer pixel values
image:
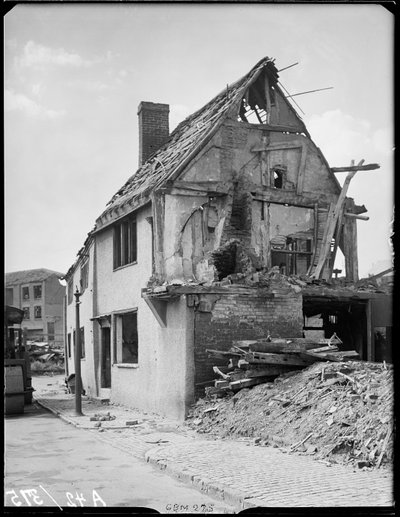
(153, 128)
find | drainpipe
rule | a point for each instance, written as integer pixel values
(65, 337)
(78, 380)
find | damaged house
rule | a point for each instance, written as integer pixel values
(228, 230)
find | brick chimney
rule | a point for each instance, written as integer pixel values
(153, 128)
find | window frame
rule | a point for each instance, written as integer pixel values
(125, 242)
(27, 311)
(70, 291)
(35, 287)
(37, 308)
(25, 287)
(118, 332)
(84, 281)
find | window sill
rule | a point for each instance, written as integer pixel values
(127, 365)
(125, 265)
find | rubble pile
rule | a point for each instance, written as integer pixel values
(339, 412)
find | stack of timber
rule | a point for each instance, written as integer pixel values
(258, 361)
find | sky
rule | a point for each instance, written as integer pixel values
(76, 73)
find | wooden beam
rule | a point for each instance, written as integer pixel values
(350, 214)
(279, 146)
(325, 244)
(331, 224)
(356, 216)
(281, 359)
(302, 169)
(368, 167)
(292, 252)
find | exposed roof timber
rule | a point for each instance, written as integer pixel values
(350, 168)
(309, 91)
(286, 67)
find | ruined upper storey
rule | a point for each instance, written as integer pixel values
(255, 100)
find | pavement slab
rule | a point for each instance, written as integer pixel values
(238, 472)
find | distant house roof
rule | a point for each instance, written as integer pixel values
(185, 141)
(30, 275)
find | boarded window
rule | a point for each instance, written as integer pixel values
(37, 292)
(37, 310)
(25, 293)
(125, 239)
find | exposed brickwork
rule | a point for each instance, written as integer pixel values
(246, 315)
(234, 136)
(239, 226)
(153, 128)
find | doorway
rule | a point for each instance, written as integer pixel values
(105, 357)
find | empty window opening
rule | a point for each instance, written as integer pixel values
(26, 313)
(25, 293)
(278, 173)
(37, 312)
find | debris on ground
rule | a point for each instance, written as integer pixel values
(258, 361)
(338, 412)
(102, 417)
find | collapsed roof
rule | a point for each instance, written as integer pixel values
(247, 99)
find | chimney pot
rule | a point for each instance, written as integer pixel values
(153, 128)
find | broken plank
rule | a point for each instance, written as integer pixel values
(313, 356)
(218, 371)
(324, 349)
(221, 353)
(281, 359)
(246, 383)
(282, 348)
(272, 370)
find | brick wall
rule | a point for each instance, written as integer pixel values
(153, 128)
(248, 314)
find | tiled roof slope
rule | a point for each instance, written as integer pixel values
(188, 138)
(30, 275)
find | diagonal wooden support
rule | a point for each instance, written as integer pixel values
(331, 224)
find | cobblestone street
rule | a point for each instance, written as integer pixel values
(234, 471)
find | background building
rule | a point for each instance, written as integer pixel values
(40, 295)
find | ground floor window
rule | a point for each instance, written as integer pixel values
(127, 338)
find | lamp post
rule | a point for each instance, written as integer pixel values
(78, 382)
